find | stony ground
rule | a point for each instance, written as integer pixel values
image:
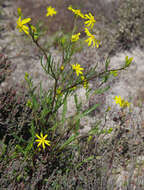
(24, 56)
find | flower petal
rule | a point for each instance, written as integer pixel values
(26, 20)
(38, 136)
(45, 136)
(39, 144)
(41, 135)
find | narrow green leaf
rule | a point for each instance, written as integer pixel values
(72, 138)
(107, 64)
(64, 110)
(85, 161)
(101, 90)
(86, 112)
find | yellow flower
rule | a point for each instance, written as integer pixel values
(19, 11)
(26, 76)
(29, 104)
(118, 100)
(75, 37)
(62, 68)
(125, 104)
(85, 83)
(77, 68)
(42, 140)
(108, 109)
(51, 11)
(128, 61)
(34, 32)
(74, 88)
(89, 138)
(82, 77)
(90, 22)
(76, 11)
(121, 102)
(33, 28)
(91, 39)
(21, 25)
(114, 73)
(59, 91)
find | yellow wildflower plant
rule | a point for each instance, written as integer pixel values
(42, 140)
(91, 40)
(90, 20)
(21, 25)
(51, 11)
(77, 12)
(75, 37)
(121, 102)
(77, 68)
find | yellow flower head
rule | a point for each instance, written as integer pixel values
(42, 140)
(121, 102)
(75, 37)
(19, 11)
(82, 77)
(21, 25)
(51, 11)
(91, 39)
(33, 28)
(62, 68)
(29, 104)
(114, 73)
(58, 91)
(34, 32)
(125, 104)
(77, 68)
(76, 11)
(74, 88)
(90, 20)
(128, 61)
(118, 100)
(85, 83)
(26, 76)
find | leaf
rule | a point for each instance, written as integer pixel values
(95, 130)
(28, 147)
(19, 149)
(78, 105)
(128, 61)
(107, 64)
(3, 148)
(85, 160)
(86, 112)
(72, 138)
(101, 90)
(64, 110)
(32, 130)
